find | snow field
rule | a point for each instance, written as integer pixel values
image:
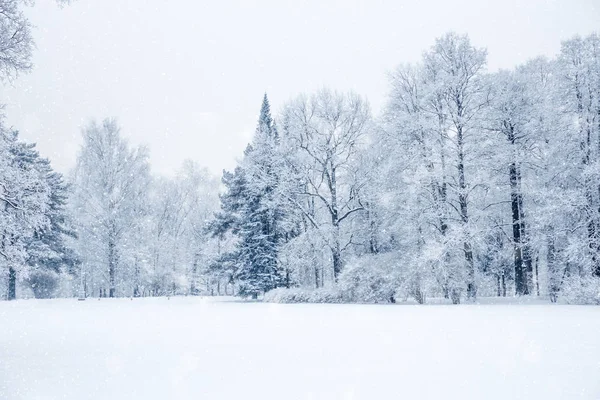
(194, 348)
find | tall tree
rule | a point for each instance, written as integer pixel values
(110, 191)
(458, 67)
(329, 129)
(24, 202)
(512, 112)
(47, 250)
(253, 211)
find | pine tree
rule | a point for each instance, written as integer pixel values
(24, 203)
(252, 211)
(47, 251)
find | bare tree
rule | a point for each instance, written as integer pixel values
(328, 129)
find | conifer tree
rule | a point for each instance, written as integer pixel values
(252, 211)
(24, 203)
(47, 251)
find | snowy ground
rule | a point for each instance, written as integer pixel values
(192, 348)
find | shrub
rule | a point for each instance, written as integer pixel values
(370, 279)
(43, 283)
(303, 295)
(580, 290)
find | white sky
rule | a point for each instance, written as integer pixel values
(186, 77)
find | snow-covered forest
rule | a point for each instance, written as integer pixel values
(469, 184)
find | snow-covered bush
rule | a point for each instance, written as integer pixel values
(303, 295)
(370, 279)
(43, 283)
(580, 290)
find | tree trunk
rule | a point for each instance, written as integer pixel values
(498, 287)
(335, 249)
(337, 260)
(526, 252)
(316, 278)
(195, 268)
(520, 279)
(553, 274)
(136, 287)
(112, 265)
(12, 283)
(373, 246)
(521, 253)
(537, 276)
(464, 214)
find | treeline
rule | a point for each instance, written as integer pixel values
(469, 184)
(113, 230)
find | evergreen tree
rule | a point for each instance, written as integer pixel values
(251, 209)
(47, 251)
(24, 203)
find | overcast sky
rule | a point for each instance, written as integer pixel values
(186, 77)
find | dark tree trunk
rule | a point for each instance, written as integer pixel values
(193, 289)
(520, 279)
(462, 200)
(521, 254)
(537, 276)
(317, 278)
(12, 283)
(337, 261)
(112, 265)
(136, 287)
(471, 286)
(553, 278)
(335, 222)
(527, 257)
(498, 288)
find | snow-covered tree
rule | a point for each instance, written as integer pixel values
(253, 209)
(328, 131)
(25, 201)
(110, 190)
(48, 250)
